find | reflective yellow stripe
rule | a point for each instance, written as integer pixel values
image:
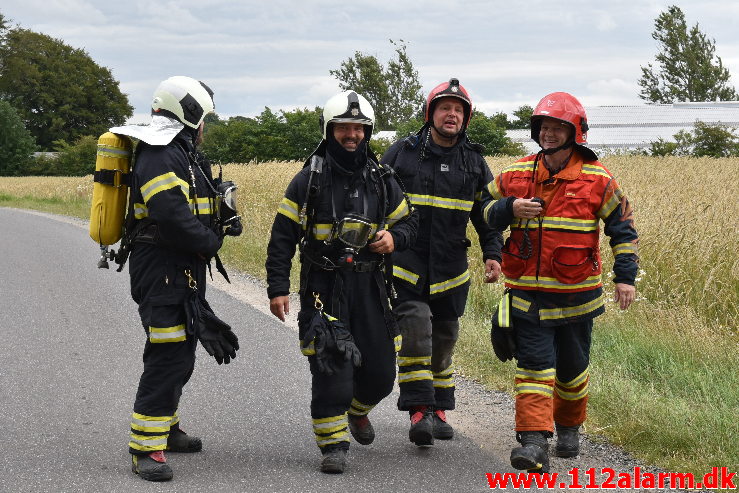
(575, 381)
(625, 248)
(552, 283)
(289, 209)
(534, 388)
(140, 211)
(164, 182)
(520, 166)
(609, 206)
(167, 334)
(520, 304)
(359, 408)
(571, 311)
(116, 152)
(527, 374)
(572, 396)
(565, 223)
(414, 360)
(593, 169)
(440, 202)
(201, 205)
(400, 212)
(322, 231)
(309, 350)
(504, 314)
(398, 341)
(440, 287)
(414, 376)
(405, 274)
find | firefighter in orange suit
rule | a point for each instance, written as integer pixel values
(553, 202)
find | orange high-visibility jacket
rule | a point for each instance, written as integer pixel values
(558, 252)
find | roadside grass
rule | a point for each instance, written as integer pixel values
(664, 380)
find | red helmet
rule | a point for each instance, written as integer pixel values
(449, 89)
(561, 106)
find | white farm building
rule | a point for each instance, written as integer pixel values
(623, 128)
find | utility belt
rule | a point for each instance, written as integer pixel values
(342, 262)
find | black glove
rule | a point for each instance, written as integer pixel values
(502, 335)
(234, 228)
(213, 333)
(344, 344)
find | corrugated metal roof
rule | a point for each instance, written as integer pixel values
(634, 127)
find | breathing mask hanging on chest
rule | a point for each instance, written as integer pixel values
(352, 231)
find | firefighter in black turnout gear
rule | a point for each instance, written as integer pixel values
(348, 214)
(174, 230)
(445, 177)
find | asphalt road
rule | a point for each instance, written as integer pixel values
(70, 359)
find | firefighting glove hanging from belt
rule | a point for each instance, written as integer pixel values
(333, 344)
(213, 333)
(502, 332)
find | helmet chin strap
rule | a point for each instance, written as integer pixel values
(564, 146)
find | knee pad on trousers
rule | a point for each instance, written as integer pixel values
(444, 337)
(414, 320)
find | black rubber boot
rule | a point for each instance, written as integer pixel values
(334, 461)
(151, 467)
(533, 453)
(568, 441)
(442, 429)
(422, 426)
(179, 441)
(361, 429)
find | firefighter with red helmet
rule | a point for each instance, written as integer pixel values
(446, 177)
(553, 202)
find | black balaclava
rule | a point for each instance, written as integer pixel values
(350, 161)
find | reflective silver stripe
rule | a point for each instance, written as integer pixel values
(572, 396)
(504, 315)
(167, 334)
(575, 381)
(550, 282)
(451, 283)
(140, 211)
(414, 360)
(592, 169)
(520, 304)
(565, 223)
(444, 379)
(116, 152)
(520, 166)
(150, 423)
(534, 388)
(571, 311)
(413, 376)
(164, 182)
(400, 212)
(609, 206)
(440, 202)
(147, 442)
(321, 231)
(360, 409)
(405, 274)
(547, 374)
(201, 205)
(289, 209)
(625, 248)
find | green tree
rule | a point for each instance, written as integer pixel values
(394, 91)
(16, 143)
(688, 68)
(486, 130)
(704, 140)
(59, 91)
(523, 117)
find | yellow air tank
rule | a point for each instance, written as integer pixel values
(110, 188)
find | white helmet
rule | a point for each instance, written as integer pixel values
(348, 106)
(184, 99)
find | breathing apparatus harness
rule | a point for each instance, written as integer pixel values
(223, 202)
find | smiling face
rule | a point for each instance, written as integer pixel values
(349, 135)
(554, 133)
(448, 117)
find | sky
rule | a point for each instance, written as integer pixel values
(278, 53)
